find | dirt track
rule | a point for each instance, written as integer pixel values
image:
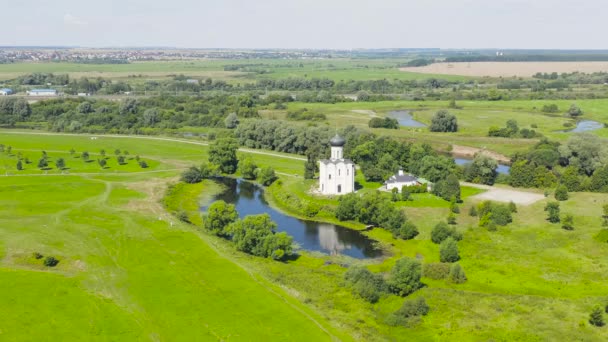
(505, 195)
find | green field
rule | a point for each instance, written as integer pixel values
(335, 69)
(474, 119)
(130, 271)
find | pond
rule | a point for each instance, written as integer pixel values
(327, 238)
(405, 118)
(584, 126)
(502, 169)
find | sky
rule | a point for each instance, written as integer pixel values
(331, 24)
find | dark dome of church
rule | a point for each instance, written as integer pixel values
(337, 141)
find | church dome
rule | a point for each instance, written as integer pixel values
(337, 141)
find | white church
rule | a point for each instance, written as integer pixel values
(336, 174)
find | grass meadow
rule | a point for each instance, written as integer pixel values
(474, 120)
(130, 271)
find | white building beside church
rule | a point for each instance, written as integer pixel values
(336, 174)
(400, 180)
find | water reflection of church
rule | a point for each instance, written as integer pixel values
(329, 240)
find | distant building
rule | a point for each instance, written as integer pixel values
(336, 174)
(84, 94)
(6, 92)
(400, 180)
(42, 92)
(192, 81)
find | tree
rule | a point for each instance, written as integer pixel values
(143, 164)
(231, 121)
(21, 110)
(570, 178)
(120, 160)
(512, 207)
(102, 162)
(407, 231)
(60, 163)
(574, 111)
(219, 215)
(405, 276)
(19, 165)
(472, 211)
(443, 121)
(128, 106)
(266, 175)
(568, 222)
(561, 193)
(85, 156)
(310, 167)
(117, 152)
(584, 151)
(102, 153)
(42, 163)
(448, 188)
(552, 209)
(448, 250)
(596, 318)
(9, 149)
(482, 170)
(442, 231)
(223, 153)
(72, 151)
(457, 275)
(248, 168)
(605, 215)
(150, 117)
(84, 108)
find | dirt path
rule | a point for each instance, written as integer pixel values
(371, 113)
(518, 197)
(469, 152)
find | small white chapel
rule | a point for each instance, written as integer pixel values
(336, 174)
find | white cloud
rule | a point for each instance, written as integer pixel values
(69, 19)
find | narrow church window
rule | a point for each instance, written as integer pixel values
(338, 172)
(329, 176)
(339, 188)
(347, 172)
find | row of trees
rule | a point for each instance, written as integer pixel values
(254, 234)
(579, 164)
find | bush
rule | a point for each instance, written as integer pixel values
(192, 175)
(407, 231)
(442, 231)
(457, 275)
(552, 209)
(561, 193)
(365, 284)
(472, 211)
(50, 261)
(596, 318)
(436, 270)
(568, 222)
(383, 123)
(182, 216)
(266, 176)
(143, 164)
(451, 218)
(405, 276)
(219, 215)
(413, 307)
(38, 255)
(448, 251)
(500, 214)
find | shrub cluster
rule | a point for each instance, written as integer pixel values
(255, 234)
(375, 209)
(365, 284)
(407, 314)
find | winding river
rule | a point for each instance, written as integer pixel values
(327, 238)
